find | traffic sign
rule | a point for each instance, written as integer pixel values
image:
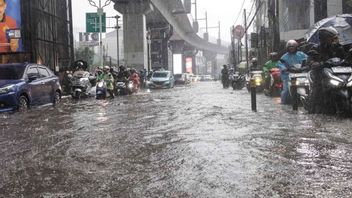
(238, 32)
(92, 22)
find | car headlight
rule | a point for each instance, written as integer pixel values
(335, 82)
(7, 89)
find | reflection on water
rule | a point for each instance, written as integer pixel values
(196, 141)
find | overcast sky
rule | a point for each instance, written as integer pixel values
(224, 10)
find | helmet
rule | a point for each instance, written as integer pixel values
(291, 43)
(106, 68)
(254, 60)
(327, 32)
(122, 68)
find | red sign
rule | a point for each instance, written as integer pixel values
(238, 32)
(189, 65)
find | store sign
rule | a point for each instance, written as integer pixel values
(10, 24)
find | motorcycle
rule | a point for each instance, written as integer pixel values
(299, 76)
(81, 84)
(238, 81)
(123, 88)
(101, 90)
(258, 79)
(336, 89)
(275, 83)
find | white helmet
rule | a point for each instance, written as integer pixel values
(291, 43)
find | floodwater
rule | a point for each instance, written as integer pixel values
(194, 141)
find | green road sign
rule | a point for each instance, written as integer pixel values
(92, 22)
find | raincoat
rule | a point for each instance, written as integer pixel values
(108, 78)
(291, 60)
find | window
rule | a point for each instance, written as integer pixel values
(32, 72)
(43, 72)
(10, 72)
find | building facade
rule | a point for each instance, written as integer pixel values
(46, 34)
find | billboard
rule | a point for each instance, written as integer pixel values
(177, 63)
(10, 26)
(189, 65)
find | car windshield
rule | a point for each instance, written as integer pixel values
(11, 72)
(160, 75)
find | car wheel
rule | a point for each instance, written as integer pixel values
(57, 98)
(23, 104)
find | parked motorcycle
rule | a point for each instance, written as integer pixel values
(275, 83)
(238, 81)
(81, 84)
(101, 90)
(336, 89)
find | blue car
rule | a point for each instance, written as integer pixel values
(25, 85)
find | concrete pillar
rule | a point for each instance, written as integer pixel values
(135, 32)
(334, 7)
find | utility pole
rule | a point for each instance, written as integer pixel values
(246, 38)
(195, 10)
(100, 11)
(276, 26)
(118, 41)
(117, 27)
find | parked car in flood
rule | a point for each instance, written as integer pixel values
(161, 79)
(27, 84)
(182, 79)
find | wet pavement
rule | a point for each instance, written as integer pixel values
(195, 141)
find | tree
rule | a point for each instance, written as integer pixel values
(84, 53)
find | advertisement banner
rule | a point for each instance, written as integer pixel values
(189, 65)
(10, 26)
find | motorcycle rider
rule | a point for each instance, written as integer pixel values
(123, 74)
(109, 79)
(135, 79)
(329, 47)
(287, 62)
(225, 76)
(271, 64)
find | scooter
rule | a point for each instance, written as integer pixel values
(258, 79)
(123, 88)
(81, 84)
(336, 89)
(238, 81)
(275, 84)
(301, 84)
(101, 90)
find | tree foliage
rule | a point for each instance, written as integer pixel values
(84, 53)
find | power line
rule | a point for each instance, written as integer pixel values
(239, 13)
(256, 12)
(252, 8)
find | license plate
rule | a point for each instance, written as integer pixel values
(342, 69)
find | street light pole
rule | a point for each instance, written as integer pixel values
(100, 11)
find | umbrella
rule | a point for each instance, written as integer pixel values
(342, 23)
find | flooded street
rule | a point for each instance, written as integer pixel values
(195, 141)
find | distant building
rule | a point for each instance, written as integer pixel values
(110, 47)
